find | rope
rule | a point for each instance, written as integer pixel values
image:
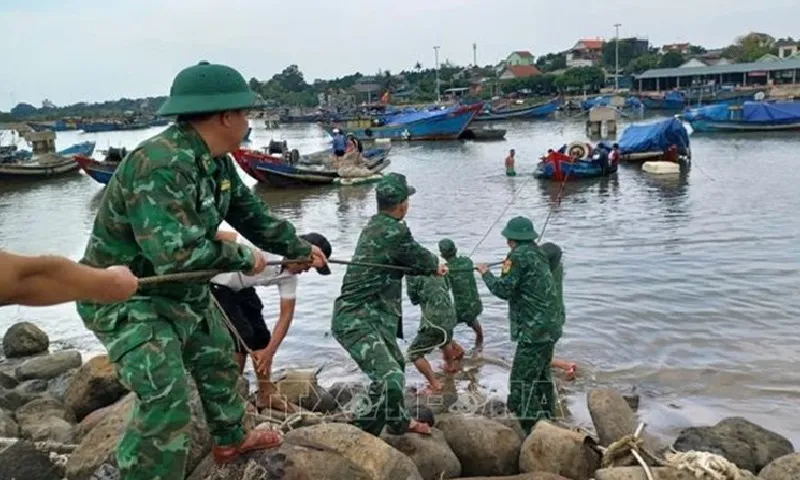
(231, 326)
(552, 206)
(618, 453)
(505, 209)
(43, 446)
(705, 465)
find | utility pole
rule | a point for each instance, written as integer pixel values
(616, 54)
(474, 54)
(436, 56)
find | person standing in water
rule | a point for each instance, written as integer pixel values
(510, 164)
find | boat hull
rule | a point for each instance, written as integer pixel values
(57, 165)
(561, 167)
(84, 148)
(447, 126)
(101, 172)
(712, 126)
(538, 111)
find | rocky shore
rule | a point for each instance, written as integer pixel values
(61, 418)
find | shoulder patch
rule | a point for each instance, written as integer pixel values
(225, 185)
(507, 265)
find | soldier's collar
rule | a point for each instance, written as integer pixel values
(202, 153)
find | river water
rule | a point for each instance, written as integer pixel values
(682, 287)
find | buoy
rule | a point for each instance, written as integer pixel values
(661, 168)
(578, 150)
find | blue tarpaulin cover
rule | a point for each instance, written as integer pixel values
(656, 136)
(714, 113)
(408, 117)
(778, 112)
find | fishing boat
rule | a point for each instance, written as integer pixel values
(83, 148)
(446, 123)
(101, 171)
(750, 117)
(309, 170)
(707, 95)
(578, 161)
(44, 165)
(629, 102)
(541, 110)
(661, 139)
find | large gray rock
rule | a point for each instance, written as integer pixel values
(7, 378)
(553, 449)
(431, 454)
(523, 476)
(8, 427)
(300, 387)
(14, 399)
(498, 411)
(636, 473)
(57, 387)
(344, 392)
(45, 419)
(95, 385)
(483, 446)
(613, 418)
(48, 366)
(288, 462)
(744, 443)
(786, 467)
(92, 420)
(24, 339)
(22, 461)
(32, 386)
(374, 456)
(98, 446)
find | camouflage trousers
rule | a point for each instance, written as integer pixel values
(428, 338)
(151, 353)
(381, 359)
(531, 389)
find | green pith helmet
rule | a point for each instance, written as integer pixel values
(393, 189)
(447, 248)
(520, 229)
(208, 88)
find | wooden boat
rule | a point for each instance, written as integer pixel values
(541, 110)
(750, 117)
(438, 124)
(483, 134)
(43, 165)
(83, 148)
(562, 167)
(101, 171)
(309, 170)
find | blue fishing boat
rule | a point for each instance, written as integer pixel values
(101, 171)
(84, 148)
(562, 167)
(541, 110)
(607, 101)
(672, 100)
(439, 124)
(750, 117)
(654, 140)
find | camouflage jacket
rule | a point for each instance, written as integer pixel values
(465, 289)
(433, 297)
(553, 254)
(374, 294)
(527, 284)
(161, 211)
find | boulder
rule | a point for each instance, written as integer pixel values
(524, 476)
(550, 448)
(613, 418)
(287, 462)
(32, 386)
(48, 366)
(92, 420)
(22, 461)
(438, 403)
(374, 456)
(57, 387)
(98, 446)
(45, 419)
(431, 454)
(8, 427)
(498, 411)
(743, 443)
(483, 446)
(13, 399)
(95, 385)
(23, 339)
(300, 388)
(786, 467)
(344, 392)
(7, 378)
(637, 473)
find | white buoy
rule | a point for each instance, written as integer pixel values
(661, 168)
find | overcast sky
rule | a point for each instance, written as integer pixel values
(73, 50)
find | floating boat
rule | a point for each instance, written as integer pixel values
(608, 101)
(439, 124)
(750, 117)
(575, 166)
(672, 100)
(84, 148)
(660, 139)
(102, 171)
(483, 134)
(309, 170)
(541, 110)
(679, 100)
(43, 165)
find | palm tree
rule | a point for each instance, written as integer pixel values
(418, 67)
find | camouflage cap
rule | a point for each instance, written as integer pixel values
(520, 229)
(393, 190)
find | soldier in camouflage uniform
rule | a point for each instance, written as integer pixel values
(159, 215)
(367, 316)
(534, 314)
(436, 325)
(465, 289)
(553, 253)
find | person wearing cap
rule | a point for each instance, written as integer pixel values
(461, 279)
(159, 216)
(236, 294)
(436, 326)
(339, 143)
(535, 320)
(367, 315)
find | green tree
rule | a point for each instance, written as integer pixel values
(551, 62)
(671, 59)
(644, 63)
(626, 52)
(750, 47)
